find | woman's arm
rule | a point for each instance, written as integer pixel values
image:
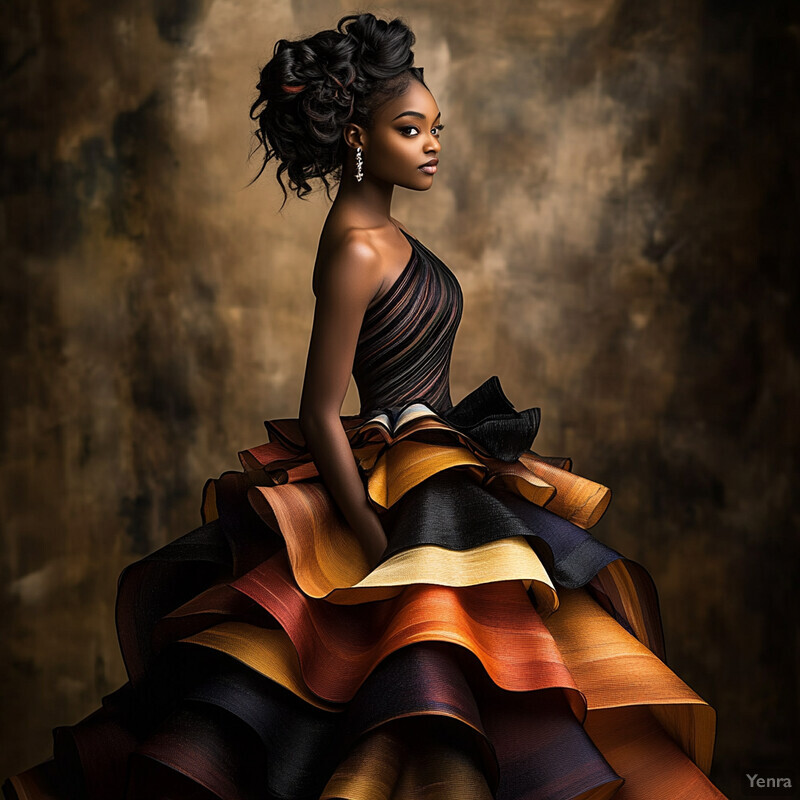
(345, 286)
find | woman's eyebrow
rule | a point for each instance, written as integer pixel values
(415, 114)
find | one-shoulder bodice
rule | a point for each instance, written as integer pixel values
(406, 338)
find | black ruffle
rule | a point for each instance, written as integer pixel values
(454, 511)
(489, 417)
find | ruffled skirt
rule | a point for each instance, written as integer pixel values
(498, 650)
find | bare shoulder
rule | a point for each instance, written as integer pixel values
(350, 258)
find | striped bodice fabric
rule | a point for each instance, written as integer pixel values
(406, 338)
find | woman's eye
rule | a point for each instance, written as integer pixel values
(435, 129)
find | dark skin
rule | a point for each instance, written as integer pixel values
(361, 254)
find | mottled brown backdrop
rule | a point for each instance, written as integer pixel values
(618, 196)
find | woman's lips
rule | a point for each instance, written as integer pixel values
(429, 168)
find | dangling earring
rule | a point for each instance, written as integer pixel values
(359, 165)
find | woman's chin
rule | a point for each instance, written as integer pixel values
(419, 185)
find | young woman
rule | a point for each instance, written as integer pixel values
(402, 603)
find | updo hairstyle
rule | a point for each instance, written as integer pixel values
(312, 87)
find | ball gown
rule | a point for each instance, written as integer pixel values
(498, 650)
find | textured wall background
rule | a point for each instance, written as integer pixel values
(618, 196)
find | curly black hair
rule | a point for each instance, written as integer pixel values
(312, 87)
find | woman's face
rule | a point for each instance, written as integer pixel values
(404, 137)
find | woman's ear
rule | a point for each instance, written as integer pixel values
(353, 135)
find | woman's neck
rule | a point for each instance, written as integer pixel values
(369, 200)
